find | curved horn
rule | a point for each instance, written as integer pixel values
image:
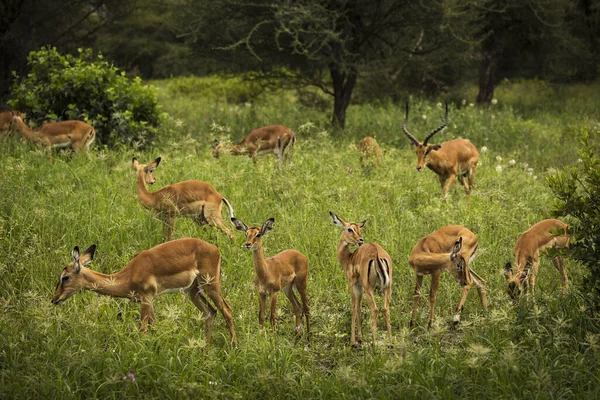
(438, 129)
(406, 132)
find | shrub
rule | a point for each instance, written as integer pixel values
(578, 191)
(84, 87)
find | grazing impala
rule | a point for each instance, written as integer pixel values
(185, 265)
(268, 139)
(541, 236)
(449, 160)
(74, 134)
(451, 248)
(370, 153)
(369, 265)
(195, 199)
(286, 270)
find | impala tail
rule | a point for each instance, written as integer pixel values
(229, 208)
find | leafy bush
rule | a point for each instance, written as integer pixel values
(578, 192)
(233, 89)
(63, 87)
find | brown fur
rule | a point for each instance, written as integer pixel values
(541, 236)
(364, 269)
(370, 152)
(434, 253)
(187, 265)
(286, 270)
(194, 199)
(261, 141)
(74, 134)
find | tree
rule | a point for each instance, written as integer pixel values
(29, 24)
(323, 43)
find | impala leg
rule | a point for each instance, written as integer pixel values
(358, 293)
(461, 303)
(446, 185)
(387, 295)
(147, 313)
(295, 305)
(560, 266)
(535, 265)
(207, 310)
(224, 228)
(168, 227)
(262, 301)
(416, 299)
(435, 281)
(463, 180)
(301, 287)
(214, 292)
(273, 306)
(374, 312)
(472, 176)
(353, 319)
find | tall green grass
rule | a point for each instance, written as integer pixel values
(90, 346)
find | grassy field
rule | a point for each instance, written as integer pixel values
(90, 346)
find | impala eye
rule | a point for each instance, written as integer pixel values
(65, 278)
(350, 230)
(257, 235)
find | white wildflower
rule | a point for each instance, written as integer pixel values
(463, 102)
(525, 165)
(493, 116)
(439, 105)
(471, 105)
(424, 116)
(512, 163)
(579, 160)
(535, 177)
(498, 158)
(498, 168)
(484, 149)
(248, 104)
(494, 101)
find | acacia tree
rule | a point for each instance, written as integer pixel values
(323, 43)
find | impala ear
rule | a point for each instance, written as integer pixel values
(135, 163)
(239, 225)
(75, 258)
(267, 226)
(154, 163)
(88, 255)
(457, 246)
(337, 220)
(362, 224)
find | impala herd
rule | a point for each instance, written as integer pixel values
(193, 266)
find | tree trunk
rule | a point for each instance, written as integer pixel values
(343, 85)
(487, 77)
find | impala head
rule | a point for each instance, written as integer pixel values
(459, 266)
(351, 232)
(424, 149)
(146, 170)
(70, 280)
(216, 148)
(254, 234)
(514, 280)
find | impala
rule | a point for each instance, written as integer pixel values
(6, 120)
(451, 159)
(268, 139)
(369, 265)
(195, 199)
(541, 236)
(286, 270)
(74, 134)
(451, 248)
(184, 265)
(370, 153)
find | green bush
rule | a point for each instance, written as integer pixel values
(236, 89)
(578, 191)
(64, 87)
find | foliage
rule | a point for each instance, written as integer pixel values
(90, 347)
(578, 191)
(235, 89)
(64, 87)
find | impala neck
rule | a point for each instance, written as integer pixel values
(147, 198)
(115, 285)
(344, 254)
(260, 263)
(25, 131)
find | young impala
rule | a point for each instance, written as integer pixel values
(449, 160)
(74, 134)
(451, 248)
(195, 199)
(286, 270)
(369, 265)
(185, 265)
(541, 236)
(370, 153)
(266, 140)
